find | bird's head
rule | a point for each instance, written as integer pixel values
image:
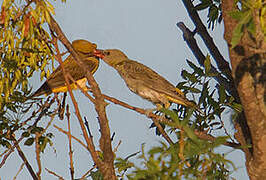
(111, 56)
(83, 46)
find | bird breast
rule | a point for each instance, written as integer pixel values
(147, 93)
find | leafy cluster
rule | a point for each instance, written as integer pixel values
(244, 15)
(214, 11)
(25, 47)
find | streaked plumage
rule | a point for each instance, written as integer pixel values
(144, 81)
(56, 81)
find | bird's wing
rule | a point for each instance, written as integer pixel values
(147, 77)
(143, 76)
(56, 79)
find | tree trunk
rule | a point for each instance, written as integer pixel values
(248, 69)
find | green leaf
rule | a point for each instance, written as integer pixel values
(194, 90)
(222, 94)
(203, 5)
(29, 142)
(96, 175)
(251, 27)
(196, 69)
(26, 134)
(238, 31)
(36, 130)
(207, 64)
(237, 107)
(43, 142)
(5, 143)
(122, 164)
(237, 34)
(204, 92)
(236, 14)
(185, 74)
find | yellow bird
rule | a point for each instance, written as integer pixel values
(56, 81)
(143, 81)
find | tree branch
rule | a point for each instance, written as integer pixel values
(222, 64)
(24, 159)
(243, 133)
(90, 144)
(70, 144)
(201, 135)
(192, 44)
(107, 166)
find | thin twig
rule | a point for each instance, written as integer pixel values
(113, 136)
(66, 133)
(161, 130)
(226, 132)
(204, 136)
(86, 174)
(37, 151)
(87, 126)
(116, 148)
(53, 173)
(82, 89)
(200, 135)
(156, 119)
(70, 144)
(20, 169)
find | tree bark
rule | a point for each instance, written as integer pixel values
(247, 69)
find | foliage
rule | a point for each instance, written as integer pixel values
(25, 47)
(214, 11)
(245, 18)
(197, 160)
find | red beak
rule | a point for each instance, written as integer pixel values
(98, 53)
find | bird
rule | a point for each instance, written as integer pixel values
(55, 83)
(144, 81)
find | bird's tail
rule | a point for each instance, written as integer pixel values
(185, 102)
(44, 89)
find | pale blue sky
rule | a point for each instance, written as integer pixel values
(146, 31)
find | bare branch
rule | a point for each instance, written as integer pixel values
(70, 143)
(24, 159)
(53, 173)
(37, 151)
(66, 133)
(107, 166)
(20, 169)
(90, 144)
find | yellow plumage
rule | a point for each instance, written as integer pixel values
(144, 81)
(56, 81)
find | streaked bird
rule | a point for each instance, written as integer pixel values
(56, 81)
(143, 81)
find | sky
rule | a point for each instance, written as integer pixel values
(145, 30)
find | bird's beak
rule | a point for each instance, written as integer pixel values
(98, 53)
